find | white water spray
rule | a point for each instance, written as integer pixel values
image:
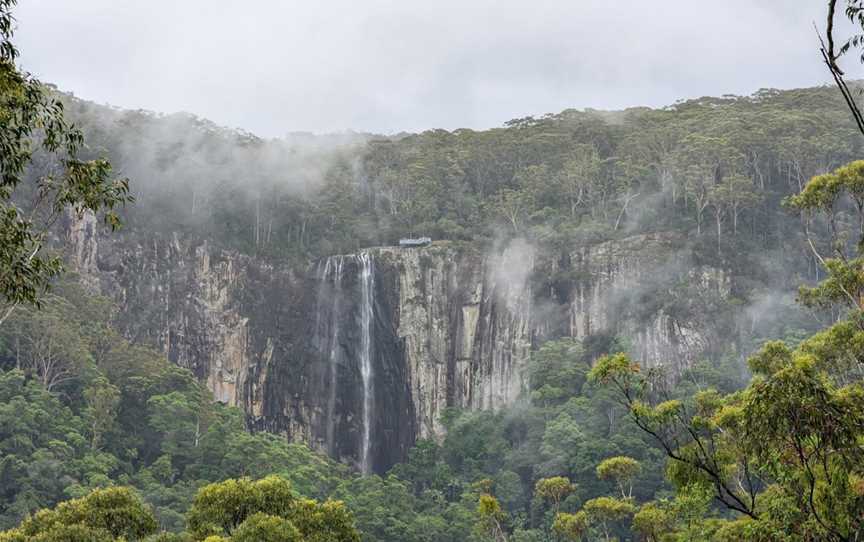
(367, 314)
(331, 301)
(328, 335)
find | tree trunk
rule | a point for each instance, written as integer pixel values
(719, 218)
(624, 210)
(735, 211)
(257, 219)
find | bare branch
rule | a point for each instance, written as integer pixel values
(830, 59)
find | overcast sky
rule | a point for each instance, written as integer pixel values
(384, 66)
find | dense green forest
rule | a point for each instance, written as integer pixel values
(84, 409)
(104, 439)
(716, 167)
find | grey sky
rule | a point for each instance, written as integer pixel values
(273, 66)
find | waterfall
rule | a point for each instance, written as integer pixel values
(333, 299)
(367, 314)
(330, 293)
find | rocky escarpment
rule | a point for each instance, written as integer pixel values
(397, 335)
(647, 289)
(220, 314)
(465, 323)
(358, 355)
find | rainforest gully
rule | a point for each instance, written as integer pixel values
(614, 321)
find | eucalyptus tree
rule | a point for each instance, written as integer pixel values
(783, 454)
(831, 53)
(701, 163)
(32, 124)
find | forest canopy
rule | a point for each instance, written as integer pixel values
(102, 438)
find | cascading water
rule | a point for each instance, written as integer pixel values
(367, 314)
(334, 297)
(330, 292)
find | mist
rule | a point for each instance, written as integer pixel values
(633, 286)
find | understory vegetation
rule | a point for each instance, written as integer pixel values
(82, 409)
(103, 439)
(84, 412)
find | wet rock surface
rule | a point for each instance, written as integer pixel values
(361, 370)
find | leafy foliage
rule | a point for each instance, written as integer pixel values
(783, 454)
(84, 414)
(104, 514)
(32, 121)
(121, 415)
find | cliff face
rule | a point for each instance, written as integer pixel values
(646, 288)
(464, 321)
(217, 313)
(359, 354)
(394, 337)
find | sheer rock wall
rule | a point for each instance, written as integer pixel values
(452, 326)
